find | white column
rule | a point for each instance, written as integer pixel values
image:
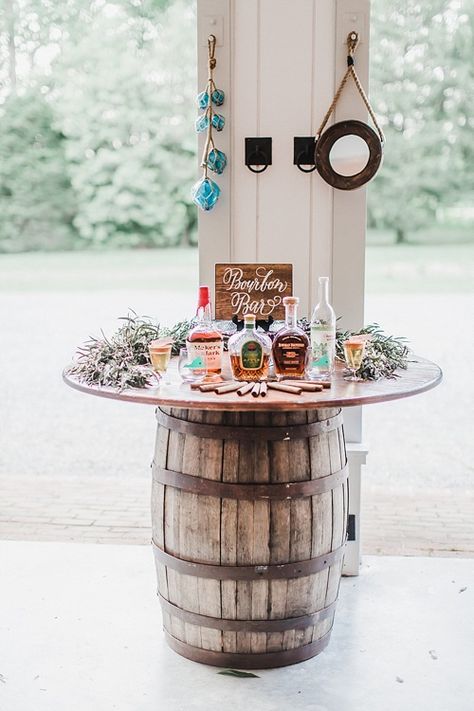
(279, 63)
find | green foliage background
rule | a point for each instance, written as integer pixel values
(422, 83)
(37, 202)
(97, 147)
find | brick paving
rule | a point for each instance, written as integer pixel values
(115, 510)
(437, 522)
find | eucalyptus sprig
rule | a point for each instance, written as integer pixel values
(122, 361)
(178, 333)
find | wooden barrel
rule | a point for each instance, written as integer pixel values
(249, 518)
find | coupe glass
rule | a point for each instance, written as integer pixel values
(160, 354)
(354, 349)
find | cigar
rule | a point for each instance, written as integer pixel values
(295, 390)
(228, 388)
(323, 383)
(208, 387)
(263, 389)
(245, 389)
(256, 390)
(307, 387)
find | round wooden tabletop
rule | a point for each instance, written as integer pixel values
(421, 375)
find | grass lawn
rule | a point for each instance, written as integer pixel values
(97, 271)
(392, 268)
(427, 269)
(436, 234)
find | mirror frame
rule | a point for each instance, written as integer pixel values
(325, 143)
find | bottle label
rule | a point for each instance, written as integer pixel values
(290, 356)
(323, 343)
(209, 352)
(251, 355)
(196, 366)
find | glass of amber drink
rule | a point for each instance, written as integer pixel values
(160, 354)
(354, 349)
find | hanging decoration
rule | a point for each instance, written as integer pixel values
(349, 178)
(205, 192)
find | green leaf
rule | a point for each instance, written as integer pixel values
(237, 672)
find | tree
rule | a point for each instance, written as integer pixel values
(32, 33)
(116, 80)
(422, 84)
(36, 200)
(126, 107)
(9, 13)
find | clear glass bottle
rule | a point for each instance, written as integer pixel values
(323, 334)
(204, 342)
(249, 352)
(291, 344)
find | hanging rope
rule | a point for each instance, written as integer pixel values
(205, 192)
(352, 42)
(211, 65)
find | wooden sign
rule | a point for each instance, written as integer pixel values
(252, 289)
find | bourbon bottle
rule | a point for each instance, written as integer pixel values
(204, 342)
(290, 345)
(249, 352)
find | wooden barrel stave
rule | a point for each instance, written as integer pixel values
(230, 473)
(198, 457)
(301, 591)
(239, 532)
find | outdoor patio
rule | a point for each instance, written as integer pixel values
(400, 626)
(257, 499)
(81, 629)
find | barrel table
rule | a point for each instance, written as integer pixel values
(249, 504)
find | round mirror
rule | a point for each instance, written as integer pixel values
(349, 155)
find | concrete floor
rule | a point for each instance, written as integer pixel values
(80, 631)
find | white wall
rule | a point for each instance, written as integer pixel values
(278, 62)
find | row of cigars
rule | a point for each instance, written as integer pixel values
(260, 388)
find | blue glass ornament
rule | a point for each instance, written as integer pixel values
(218, 121)
(218, 97)
(205, 193)
(203, 100)
(202, 122)
(216, 161)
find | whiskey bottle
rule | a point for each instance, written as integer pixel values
(323, 334)
(204, 342)
(291, 344)
(249, 352)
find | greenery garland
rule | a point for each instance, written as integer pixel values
(122, 361)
